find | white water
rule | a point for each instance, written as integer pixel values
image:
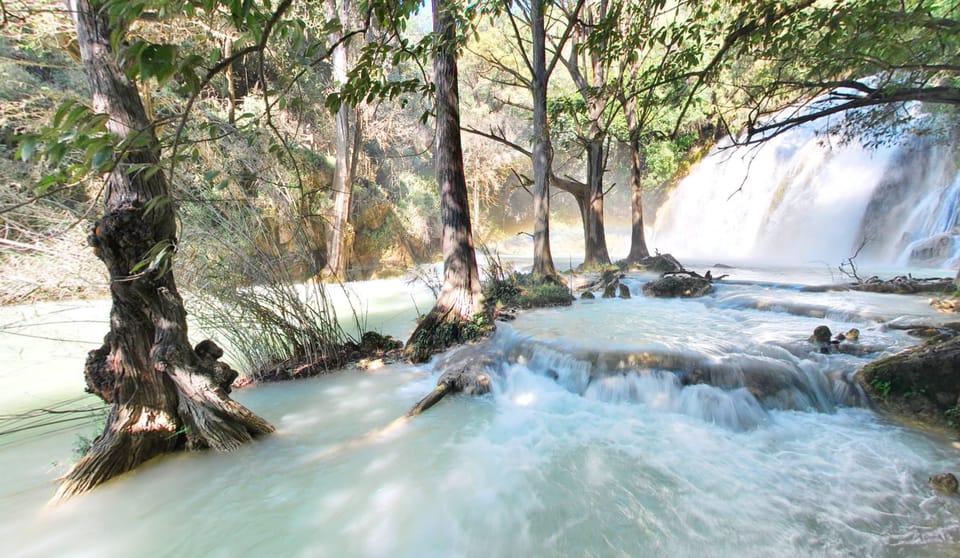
(579, 451)
(802, 197)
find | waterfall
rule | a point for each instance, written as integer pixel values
(805, 196)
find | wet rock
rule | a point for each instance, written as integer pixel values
(821, 334)
(610, 291)
(919, 384)
(686, 285)
(662, 263)
(946, 305)
(587, 295)
(944, 483)
(624, 291)
(371, 342)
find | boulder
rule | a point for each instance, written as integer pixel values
(662, 263)
(944, 483)
(687, 285)
(919, 384)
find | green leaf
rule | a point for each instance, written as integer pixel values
(158, 61)
(103, 156)
(28, 146)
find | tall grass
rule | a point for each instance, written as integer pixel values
(259, 295)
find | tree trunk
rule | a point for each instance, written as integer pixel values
(594, 237)
(542, 152)
(342, 175)
(638, 167)
(164, 396)
(459, 298)
(231, 82)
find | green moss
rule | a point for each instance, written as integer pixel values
(525, 291)
(435, 334)
(884, 383)
(544, 295)
(953, 416)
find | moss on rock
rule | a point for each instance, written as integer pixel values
(920, 384)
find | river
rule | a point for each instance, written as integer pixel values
(576, 452)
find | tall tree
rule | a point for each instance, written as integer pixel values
(337, 253)
(535, 77)
(164, 395)
(460, 296)
(542, 152)
(589, 74)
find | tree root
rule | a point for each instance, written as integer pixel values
(132, 437)
(212, 419)
(470, 378)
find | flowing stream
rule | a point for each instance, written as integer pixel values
(594, 442)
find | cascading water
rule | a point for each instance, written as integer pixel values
(805, 197)
(638, 427)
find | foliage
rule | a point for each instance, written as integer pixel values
(506, 290)
(859, 58)
(245, 269)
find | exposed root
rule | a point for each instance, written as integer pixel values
(131, 437)
(212, 419)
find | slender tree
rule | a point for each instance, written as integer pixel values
(340, 229)
(164, 395)
(535, 76)
(542, 152)
(460, 296)
(589, 73)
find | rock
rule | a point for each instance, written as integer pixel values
(821, 334)
(946, 305)
(944, 483)
(587, 295)
(919, 384)
(624, 291)
(677, 285)
(372, 342)
(931, 251)
(661, 262)
(610, 291)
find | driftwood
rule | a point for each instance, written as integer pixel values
(470, 380)
(468, 371)
(901, 284)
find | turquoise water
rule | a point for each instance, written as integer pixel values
(569, 456)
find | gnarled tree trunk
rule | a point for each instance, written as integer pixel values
(459, 297)
(165, 396)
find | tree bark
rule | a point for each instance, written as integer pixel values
(595, 236)
(459, 299)
(542, 152)
(638, 167)
(590, 82)
(164, 397)
(342, 174)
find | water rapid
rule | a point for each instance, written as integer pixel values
(805, 196)
(639, 427)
